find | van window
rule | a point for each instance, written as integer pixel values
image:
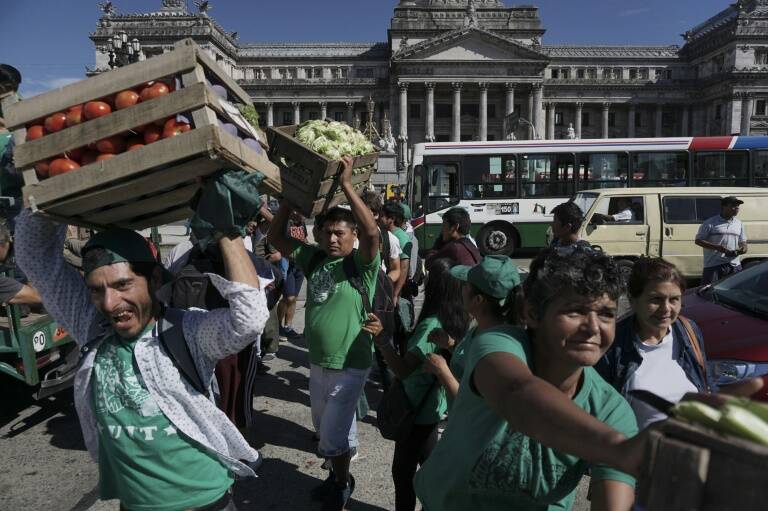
(489, 176)
(721, 169)
(761, 168)
(659, 169)
(620, 210)
(689, 210)
(603, 170)
(443, 186)
(546, 175)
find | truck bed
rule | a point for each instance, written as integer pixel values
(32, 318)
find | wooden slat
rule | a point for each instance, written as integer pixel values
(199, 141)
(250, 160)
(679, 476)
(357, 179)
(164, 218)
(217, 71)
(159, 202)
(114, 124)
(102, 85)
(135, 187)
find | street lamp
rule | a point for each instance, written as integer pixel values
(123, 52)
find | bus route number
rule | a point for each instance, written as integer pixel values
(507, 209)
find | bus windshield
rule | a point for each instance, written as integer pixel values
(584, 201)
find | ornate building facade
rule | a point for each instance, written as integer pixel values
(452, 70)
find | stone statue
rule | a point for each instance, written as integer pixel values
(108, 8)
(203, 6)
(174, 5)
(471, 19)
(388, 140)
(571, 131)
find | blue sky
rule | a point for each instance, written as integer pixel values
(48, 39)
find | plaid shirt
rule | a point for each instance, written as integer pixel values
(211, 336)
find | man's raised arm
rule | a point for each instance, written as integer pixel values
(367, 230)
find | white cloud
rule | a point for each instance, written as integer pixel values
(633, 12)
(33, 87)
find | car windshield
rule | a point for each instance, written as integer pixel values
(747, 290)
(584, 201)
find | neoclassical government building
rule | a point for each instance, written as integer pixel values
(451, 70)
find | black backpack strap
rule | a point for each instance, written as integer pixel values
(356, 281)
(171, 334)
(385, 247)
(315, 262)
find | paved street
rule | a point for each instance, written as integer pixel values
(45, 465)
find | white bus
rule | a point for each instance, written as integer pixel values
(510, 187)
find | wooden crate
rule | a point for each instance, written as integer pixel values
(311, 184)
(145, 187)
(690, 468)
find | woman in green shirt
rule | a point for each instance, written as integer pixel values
(532, 416)
(443, 308)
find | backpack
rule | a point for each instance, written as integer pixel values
(383, 304)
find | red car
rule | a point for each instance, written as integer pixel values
(733, 317)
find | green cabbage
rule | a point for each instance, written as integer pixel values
(333, 139)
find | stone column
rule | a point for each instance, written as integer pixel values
(538, 116)
(403, 111)
(351, 113)
(296, 112)
(323, 109)
(631, 120)
(530, 115)
(510, 87)
(270, 114)
(606, 109)
(579, 109)
(430, 120)
(550, 106)
(685, 130)
(456, 125)
(483, 111)
(659, 115)
(746, 114)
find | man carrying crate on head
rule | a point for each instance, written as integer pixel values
(142, 388)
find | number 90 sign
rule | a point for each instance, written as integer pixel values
(38, 341)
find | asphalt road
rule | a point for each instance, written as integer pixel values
(45, 465)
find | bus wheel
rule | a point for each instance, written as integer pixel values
(496, 239)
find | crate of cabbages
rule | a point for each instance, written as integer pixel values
(309, 156)
(125, 147)
(708, 460)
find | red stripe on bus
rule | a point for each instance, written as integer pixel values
(711, 143)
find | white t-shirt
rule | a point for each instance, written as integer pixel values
(661, 374)
(718, 230)
(394, 249)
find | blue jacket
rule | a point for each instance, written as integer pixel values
(622, 359)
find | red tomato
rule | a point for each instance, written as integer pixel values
(75, 154)
(161, 122)
(88, 158)
(152, 134)
(35, 132)
(104, 156)
(74, 115)
(94, 109)
(132, 143)
(56, 122)
(125, 99)
(155, 90)
(62, 166)
(114, 144)
(43, 168)
(172, 127)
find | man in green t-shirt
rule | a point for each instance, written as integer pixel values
(340, 344)
(393, 218)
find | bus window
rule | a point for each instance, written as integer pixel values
(761, 168)
(659, 169)
(603, 170)
(546, 175)
(416, 190)
(486, 177)
(443, 186)
(721, 169)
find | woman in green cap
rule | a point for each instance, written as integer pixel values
(443, 309)
(490, 299)
(532, 416)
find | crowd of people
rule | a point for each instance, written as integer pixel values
(532, 377)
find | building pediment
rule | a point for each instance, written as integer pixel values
(469, 44)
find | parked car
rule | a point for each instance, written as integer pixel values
(733, 317)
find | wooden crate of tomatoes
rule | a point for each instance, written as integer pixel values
(309, 179)
(124, 148)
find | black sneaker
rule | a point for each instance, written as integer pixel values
(322, 490)
(338, 497)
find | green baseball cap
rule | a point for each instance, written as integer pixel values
(118, 246)
(495, 276)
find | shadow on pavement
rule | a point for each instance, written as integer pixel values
(274, 430)
(296, 354)
(281, 486)
(274, 386)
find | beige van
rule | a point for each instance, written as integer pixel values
(664, 222)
